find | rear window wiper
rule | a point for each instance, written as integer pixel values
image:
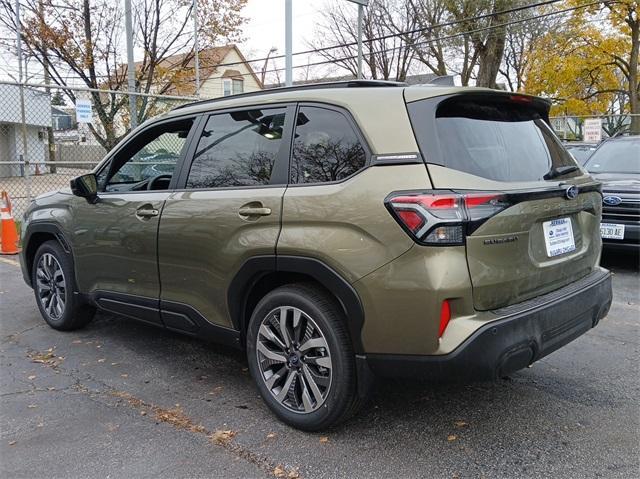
(559, 171)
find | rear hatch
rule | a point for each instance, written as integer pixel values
(532, 214)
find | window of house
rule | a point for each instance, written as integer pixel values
(326, 147)
(237, 149)
(226, 87)
(232, 86)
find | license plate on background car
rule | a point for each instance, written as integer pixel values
(558, 236)
(611, 231)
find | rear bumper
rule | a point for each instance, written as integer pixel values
(521, 334)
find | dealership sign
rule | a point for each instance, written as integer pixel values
(84, 111)
(593, 130)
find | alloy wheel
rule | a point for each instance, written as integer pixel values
(51, 286)
(294, 359)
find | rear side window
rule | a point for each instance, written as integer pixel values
(494, 137)
(326, 147)
(237, 149)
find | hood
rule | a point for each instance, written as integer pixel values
(620, 182)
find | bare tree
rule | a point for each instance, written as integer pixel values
(84, 40)
(385, 56)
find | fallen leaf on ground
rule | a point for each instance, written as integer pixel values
(12, 443)
(324, 439)
(461, 423)
(451, 437)
(271, 435)
(221, 437)
(31, 378)
(279, 471)
(101, 360)
(32, 406)
(124, 375)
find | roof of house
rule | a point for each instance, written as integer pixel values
(209, 60)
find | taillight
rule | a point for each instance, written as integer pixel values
(443, 218)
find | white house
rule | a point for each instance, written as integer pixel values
(37, 106)
(223, 71)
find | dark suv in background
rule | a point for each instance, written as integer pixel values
(616, 163)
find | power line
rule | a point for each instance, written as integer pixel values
(424, 42)
(398, 34)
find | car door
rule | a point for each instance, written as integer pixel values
(227, 208)
(115, 239)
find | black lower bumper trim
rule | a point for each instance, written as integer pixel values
(514, 341)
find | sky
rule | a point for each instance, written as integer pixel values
(265, 28)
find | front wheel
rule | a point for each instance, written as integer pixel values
(301, 357)
(54, 285)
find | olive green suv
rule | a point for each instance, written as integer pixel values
(336, 232)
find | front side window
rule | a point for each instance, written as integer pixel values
(237, 149)
(147, 161)
(326, 147)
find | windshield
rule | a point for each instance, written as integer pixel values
(616, 156)
(581, 153)
(492, 136)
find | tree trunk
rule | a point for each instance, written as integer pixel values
(634, 92)
(491, 52)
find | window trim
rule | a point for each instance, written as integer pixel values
(133, 135)
(356, 129)
(279, 174)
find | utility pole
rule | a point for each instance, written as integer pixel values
(361, 5)
(131, 72)
(47, 81)
(196, 59)
(23, 158)
(288, 42)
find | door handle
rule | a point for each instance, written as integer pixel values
(147, 212)
(254, 211)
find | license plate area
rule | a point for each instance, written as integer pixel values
(612, 231)
(558, 236)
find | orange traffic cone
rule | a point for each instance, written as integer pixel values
(9, 231)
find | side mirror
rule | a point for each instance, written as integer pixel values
(85, 186)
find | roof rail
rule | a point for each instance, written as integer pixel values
(309, 86)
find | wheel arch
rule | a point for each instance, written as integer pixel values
(34, 237)
(261, 274)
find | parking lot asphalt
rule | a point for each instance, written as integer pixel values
(122, 399)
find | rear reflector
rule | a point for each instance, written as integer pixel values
(445, 316)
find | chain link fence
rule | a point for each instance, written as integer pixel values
(49, 135)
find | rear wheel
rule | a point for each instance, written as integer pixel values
(53, 284)
(301, 358)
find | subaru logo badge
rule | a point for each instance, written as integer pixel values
(572, 192)
(612, 200)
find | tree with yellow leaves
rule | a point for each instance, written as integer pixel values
(591, 61)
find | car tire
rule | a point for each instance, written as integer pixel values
(55, 290)
(319, 351)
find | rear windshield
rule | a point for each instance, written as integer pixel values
(492, 136)
(616, 156)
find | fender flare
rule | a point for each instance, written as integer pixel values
(41, 227)
(253, 269)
